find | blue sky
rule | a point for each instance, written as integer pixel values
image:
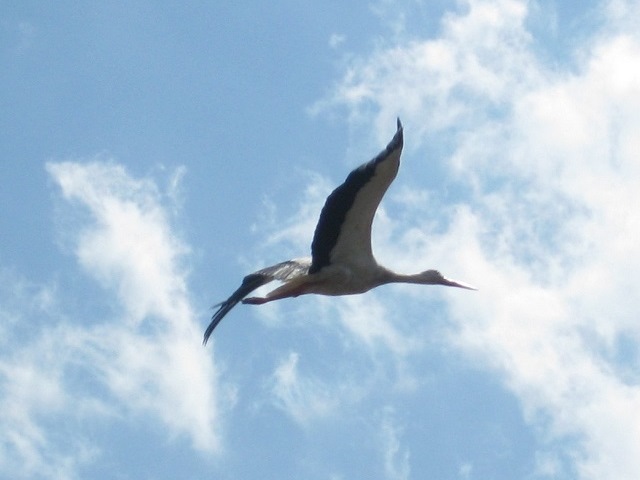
(153, 154)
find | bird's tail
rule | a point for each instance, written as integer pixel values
(249, 284)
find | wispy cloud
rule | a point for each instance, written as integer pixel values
(447, 77)
(365, 318)
(396, 458)
(336, 40)
(130, 248)
(21, 35)
(34, 395)
(302, 397)
(141, 360)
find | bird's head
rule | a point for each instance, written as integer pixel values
(434, 277)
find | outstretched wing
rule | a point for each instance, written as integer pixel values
(282, 271)
(343, 233)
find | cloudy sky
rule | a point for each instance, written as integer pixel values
(153, 153)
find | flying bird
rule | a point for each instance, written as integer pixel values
(342, 262)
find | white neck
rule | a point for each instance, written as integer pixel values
(428, 277)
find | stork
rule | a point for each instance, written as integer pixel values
(342, 262)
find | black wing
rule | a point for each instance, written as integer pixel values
(343, 233)
(282, 271)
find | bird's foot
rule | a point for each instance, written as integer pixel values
(254, 300)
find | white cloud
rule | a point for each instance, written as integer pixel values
(396, 458)
(295, 232)
(336, 39)
(465, 471)
(33, 393)
(547, 225)
(480, 58)
(21, 35)
(303, 398)
(366, 318)
(144, 361)
(129, 248)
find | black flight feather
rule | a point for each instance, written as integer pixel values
(282, 271)
(339, 203)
